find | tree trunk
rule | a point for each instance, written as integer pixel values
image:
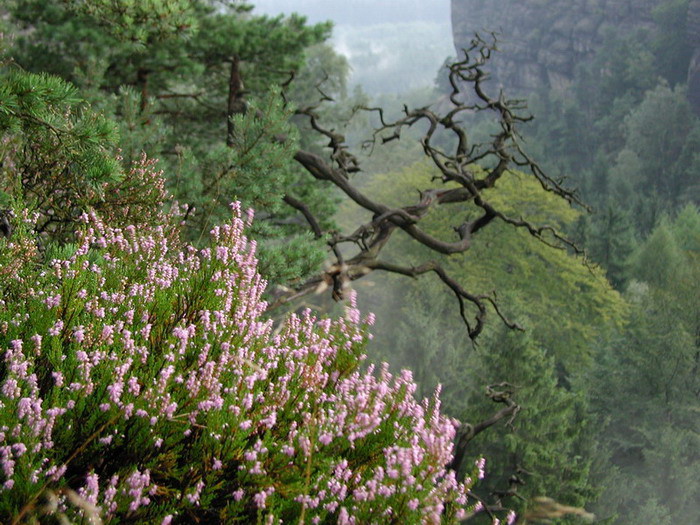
(142, 82)
(235, 98)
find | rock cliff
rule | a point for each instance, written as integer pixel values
(693, 25)
(543, 40)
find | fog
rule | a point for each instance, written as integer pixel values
(392, 45)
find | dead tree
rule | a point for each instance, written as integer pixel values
(456, 165)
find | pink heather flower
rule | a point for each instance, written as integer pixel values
(260, 498)
(36, 339)
(193, 497)
(53, 301)
(253, 376)
(510, 519)
(138, 482)
(58, 378)
(167, 520)
(110, 493)
(481, 465)
(56, 328)
(344, 518)
(107, 331)
(129, 316)
(79, 334)
(133, 386)
(91, 489)
(10, 388)
(146, 331)
(55, 473)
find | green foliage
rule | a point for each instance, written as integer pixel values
(659, 260)
(45, 109)
(624, 129)
(644, 382)
(137, 20)
(565, 306)
(625, 132)
(142, 385)
(416, 333)
(56, 155)
(612, 242)
(670, 43)
(549, 443)
(544, 278)
(163, 70)
(656, 132)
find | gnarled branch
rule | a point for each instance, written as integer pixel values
(472, 167)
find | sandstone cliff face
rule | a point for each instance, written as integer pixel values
(694, 40)
(543, 40)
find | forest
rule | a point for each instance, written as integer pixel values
(236, 289)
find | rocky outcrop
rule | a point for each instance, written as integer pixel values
(693, 25)
(543, 40)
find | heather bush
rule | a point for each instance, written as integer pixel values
(140, 382)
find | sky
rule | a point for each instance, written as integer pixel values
(392, 45)
(361, 12)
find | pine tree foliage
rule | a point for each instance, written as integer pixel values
(645, 383)
(547, 448)
(138, 21)
(56, 154)
(192, 84)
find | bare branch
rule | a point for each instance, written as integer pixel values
(499, 393)
(473, 167)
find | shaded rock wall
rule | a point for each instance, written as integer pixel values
(693, 25)
(543, 40)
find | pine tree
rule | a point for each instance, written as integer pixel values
(612, 242)
(645, 382)
(547, 448)
(57, 156)
(192, 84)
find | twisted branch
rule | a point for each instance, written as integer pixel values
(473, 167)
